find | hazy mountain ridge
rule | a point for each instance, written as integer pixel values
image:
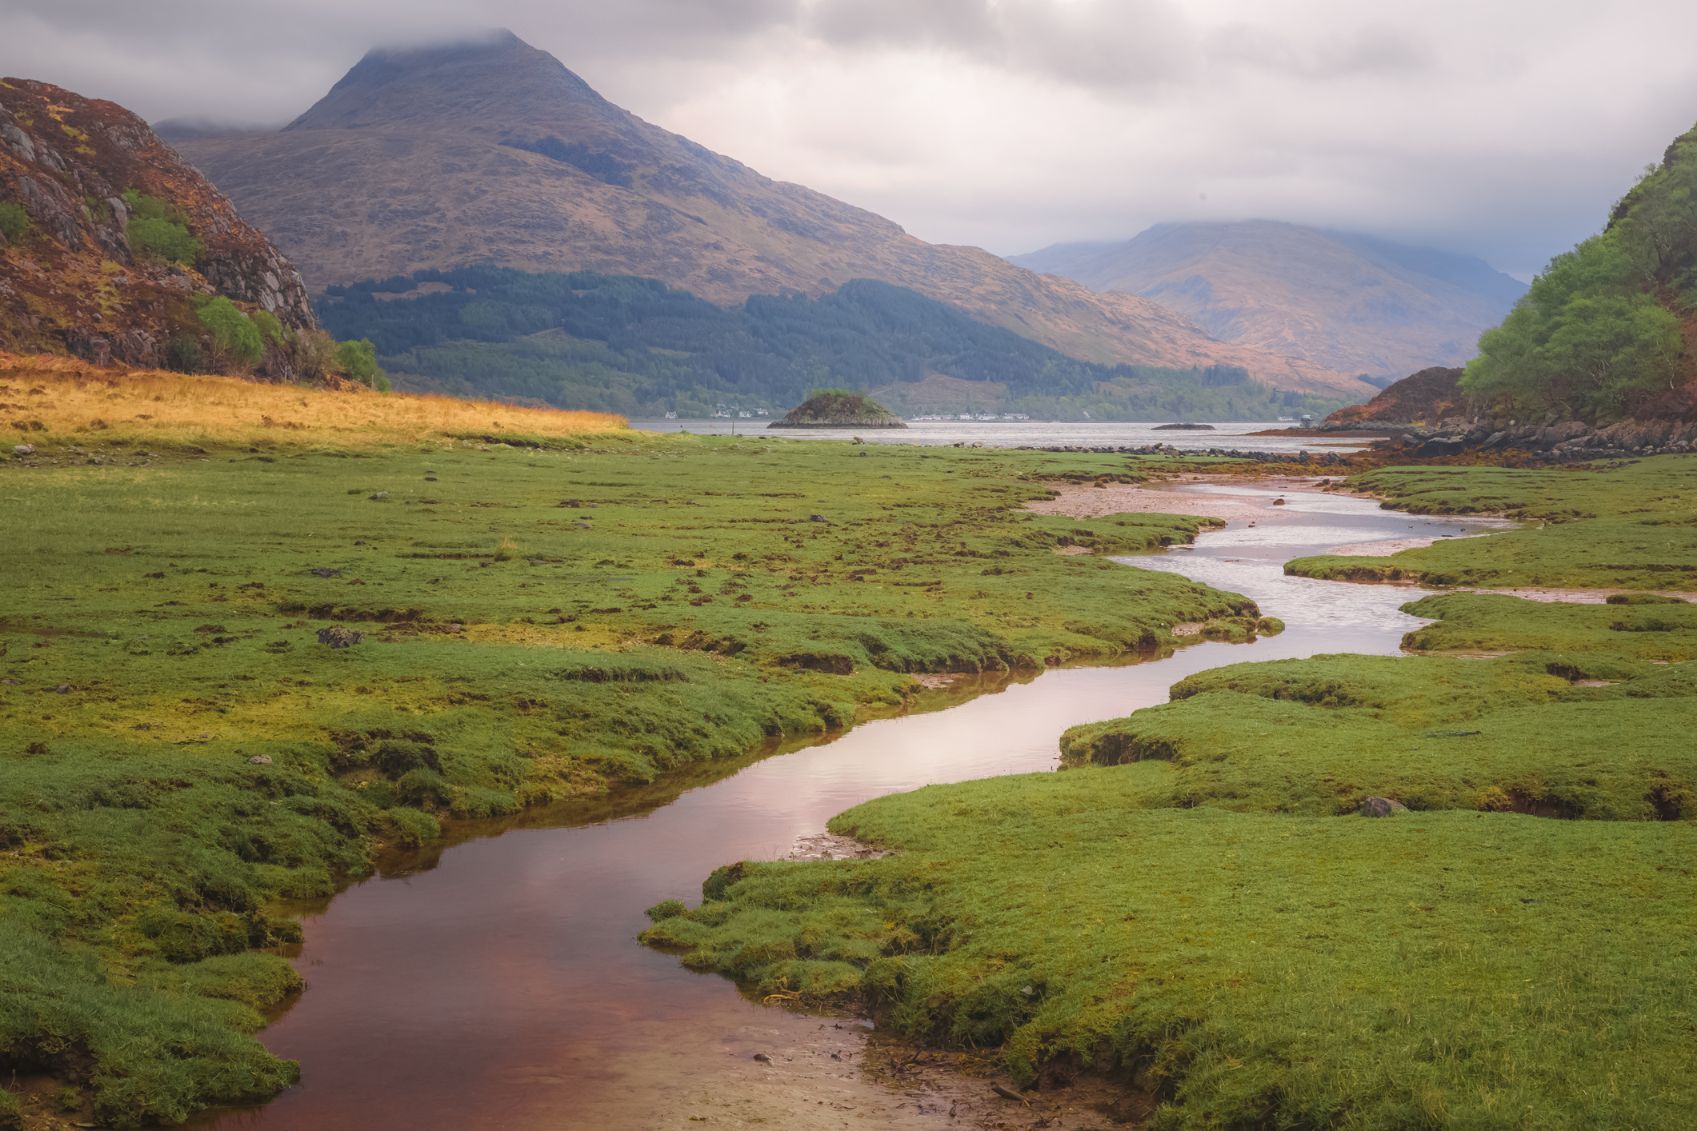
(1341, 300)
(634, 346)
(494, 153)
(84, 268)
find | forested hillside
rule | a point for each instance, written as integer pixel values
(639, 347)
(1608, 330)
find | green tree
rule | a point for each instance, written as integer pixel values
(236, 342)
(14, 221)
(156, 229)
(358, 361)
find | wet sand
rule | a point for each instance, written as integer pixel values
(1231, 498)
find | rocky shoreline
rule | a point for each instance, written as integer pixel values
(1248, 454)
(1551, 442)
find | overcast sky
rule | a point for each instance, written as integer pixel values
(1504, 128)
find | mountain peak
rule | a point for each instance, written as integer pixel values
(490, 78)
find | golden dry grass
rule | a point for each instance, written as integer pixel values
(62, 398)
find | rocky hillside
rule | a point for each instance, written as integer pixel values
(492, 152)
(111, 246)
(1426, 397)
(1337, 300)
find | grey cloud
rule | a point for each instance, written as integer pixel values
(1504, 129)
(1375, 50)
(1110, 44)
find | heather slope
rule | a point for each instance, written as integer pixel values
(110, 245)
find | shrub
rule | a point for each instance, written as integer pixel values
(183, 354)
(156, 229)
(312, 354)
(358, 361)
(162, 239)
(14, 221)
(236, 342)
(269, 327)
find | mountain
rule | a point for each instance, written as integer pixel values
(637, 347)
(1342, 301)
(492, 152)
(1608, 332)
(111, 247)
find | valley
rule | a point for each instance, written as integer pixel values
(511, 617)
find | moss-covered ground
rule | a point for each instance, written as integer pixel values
(527, 618)
(1194, 907)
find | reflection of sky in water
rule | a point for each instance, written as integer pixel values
(513, 962)
(1249, 559)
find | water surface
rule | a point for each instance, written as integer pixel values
(1031, 434)
(502, 987)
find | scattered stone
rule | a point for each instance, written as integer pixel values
(1279, 502)
(762, 1058)
(1008, 1093)
(23, 449)
(259, 760)
(1381, 807)
(339, 636)
(379, 497)
(62, 689)
(817, 518)
(326, 571)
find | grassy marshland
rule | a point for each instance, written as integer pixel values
(1630, 525)
(548, 609)
(1194, 908)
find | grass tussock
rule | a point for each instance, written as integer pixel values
(56, 400)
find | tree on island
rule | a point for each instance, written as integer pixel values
(839, 408)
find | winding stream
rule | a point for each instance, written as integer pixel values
(502, 987)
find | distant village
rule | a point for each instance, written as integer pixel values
(725, 412)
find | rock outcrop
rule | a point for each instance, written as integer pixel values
(1423, 398)
(1551, 441)
(75, 274)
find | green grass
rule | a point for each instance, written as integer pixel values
(1627, 526)
(1192, 908)
(540, 623)
(1251, 969)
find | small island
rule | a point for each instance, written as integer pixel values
(1184, 427)
(839, 408)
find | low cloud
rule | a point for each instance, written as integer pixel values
(1504, 129)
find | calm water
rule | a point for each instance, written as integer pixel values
(502, 987)
(1027, 434)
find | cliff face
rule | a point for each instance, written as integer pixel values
(492, 152)
(83, 271)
